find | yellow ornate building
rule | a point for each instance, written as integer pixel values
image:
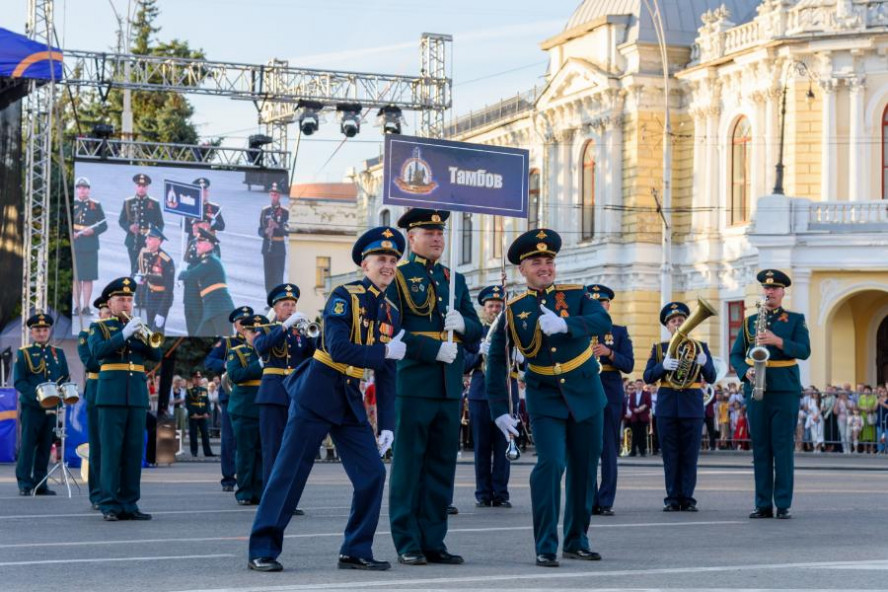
(595, 135)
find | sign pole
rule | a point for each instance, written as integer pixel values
(452, 260)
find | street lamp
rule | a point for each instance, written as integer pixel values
(801, 69)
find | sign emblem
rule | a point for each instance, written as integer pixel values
(416, 177)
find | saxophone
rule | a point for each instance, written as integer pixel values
(758, 353)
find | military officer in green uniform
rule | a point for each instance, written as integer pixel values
(138, 214)
(122, 401)
(552, 325)
(197, 402)
(89, 222)
(244, 368)
(206, 278)
(212, 212)
(772, 420)
(157, 275)
(429, 391)
(91, 367)
(34, 365)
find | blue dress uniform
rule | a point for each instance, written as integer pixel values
(158, 282)
(34, 365)
(197, 402)
(565, 399)
(91, 367)
(772, 420)
(145, 212)
(216, 362)
(206, 275)
(273, 220)
(358, 323)
(492, 468)
(428, 401)
(88, 213)
(122, 401)
(244, 369)
(282, 351)
(679, 418)
(621, 361)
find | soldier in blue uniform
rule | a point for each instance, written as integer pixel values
(491, 465)
(614, 352)
(552, 325)
(772, 420)
(273, 221)
(282, 349)
(122, 401)
(157, 278)
(679, 411)
(361, 331)
(244, 368)
(430, 386)
(216, 362)
(212, 212)
(34, 365)
(197, 402)
(206, 275)
(138, 214)
(91, 367)
(89, 222)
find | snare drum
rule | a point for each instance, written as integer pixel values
(69, 393)
(48, 395)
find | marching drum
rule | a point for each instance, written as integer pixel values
(70, 395)
(48, 395)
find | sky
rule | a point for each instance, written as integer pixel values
(495, 53)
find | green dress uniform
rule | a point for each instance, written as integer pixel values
(145, 212)
(565, 397)
(245, 373)
(429, 396)
(88, 214)
(91, 366)
(205, 277)
(197, 402)
(34, 365)
(122, 401)
(772, 420)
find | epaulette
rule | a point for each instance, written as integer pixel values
(94, 201)
(105, 320)
(25, 347)
(403, 262)
(354, 288)
(392, 304)
(563, 287)
(165, 257)
(515, 299)
(241, 346)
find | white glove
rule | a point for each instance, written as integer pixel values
(485, 348)
(670, 364)
(261, 363)
(395, 349)
(701, 359)
(454, 320)
(447, 352)
(507, 425)
(131, 327)
(159, 320)
(293, 319)
(384, 441)
(551, 323)
(517, 356)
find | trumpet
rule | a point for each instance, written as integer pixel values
(307, 328)
(144, 334)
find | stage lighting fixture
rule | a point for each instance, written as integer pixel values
(390, 119)
(351, 119)
(102, 131)
(309, 119)
(256, 142)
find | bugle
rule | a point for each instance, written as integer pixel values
(144, 334)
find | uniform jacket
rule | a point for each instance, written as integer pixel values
(358, 321)
(208, 276)
(197, 401)
(792, 328)
(576, 393)
(216, 360)
(34, 365)
(160, 277)
(671, 402)
(421, 292)
(474, 366)
(86, 213)
(618, 340)
(145, 212)
(120, 387)
(282, 349)
(90, 365)
(211, 214)
(245, 374)
(273, 241)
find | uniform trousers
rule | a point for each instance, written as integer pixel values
(603, 495)
(274, 270)
(491, 465)
(122, 433)
(195, 425)
(680, 439)
(215, 325)
(37, 433)
(95, 453)
(272, 421)
(229, 447)
(772, 424)
(248, 458)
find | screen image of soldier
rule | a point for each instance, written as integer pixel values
(429, 391)
(679, 411)
(361, 331)
(552, 325)
(212, 212)
(273, 228)
(36, 364)
(772, 419)
(216, 362)
(197, 401)
(615, 357)
(138, 214)
(122, 400)
(157, 277)
(91, 367)
(89, 222)
(205, 279)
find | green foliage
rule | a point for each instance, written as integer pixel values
(190, 354)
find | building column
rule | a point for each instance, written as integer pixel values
(715, 198)
(699, 197)
(771, 139)
(828, 160)
(801, 302)
(613, 217)
(858, 175)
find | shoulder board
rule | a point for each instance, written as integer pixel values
(25, 348)
(241, 346)
(354, 288)
(392, 304)
(515, 299)
(562, 287)
(107, 320)
(95, 201)
(164, 256)
(403, 262)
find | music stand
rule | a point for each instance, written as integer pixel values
(67, 477)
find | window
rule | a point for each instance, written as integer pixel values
(587, 207)
(385, 218)
(740, 181)
(322, 271)
(497, 237)
(466, 251)
(533, 203)
(885, 154)
(735, 323)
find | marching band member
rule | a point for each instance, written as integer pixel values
(772, 419)
(92, 367)
(679, 412)
(212, 212)
(552, 325)
(273, 221)
(361, 330)
(138, 214)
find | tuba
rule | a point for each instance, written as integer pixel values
(686, 349)
(758, 353)
(144, 334)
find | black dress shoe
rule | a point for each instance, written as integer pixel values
(443, 557)
(502, 504)
(94, 506)
(483, 504)
(210, 455)
(265, 564)
(452, 510)
(762, 513)
(689, 508)
(547, 560)
(24, 492)
(110, 516)
(596, 510)
(412, 559)
(349, 562)
(45, 491)
(136, 515)
(607, 511)
(671, 508)
(242, 502)
(783, 514)
(227, 488)
(298, 512)
(585, 554)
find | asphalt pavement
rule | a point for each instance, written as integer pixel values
(197, 540)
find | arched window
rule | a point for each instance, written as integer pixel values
(885, 154)
(533, 204)
(740, 178)
(385, 218)
(587, 189)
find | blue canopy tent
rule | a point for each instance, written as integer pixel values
(22, 60)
